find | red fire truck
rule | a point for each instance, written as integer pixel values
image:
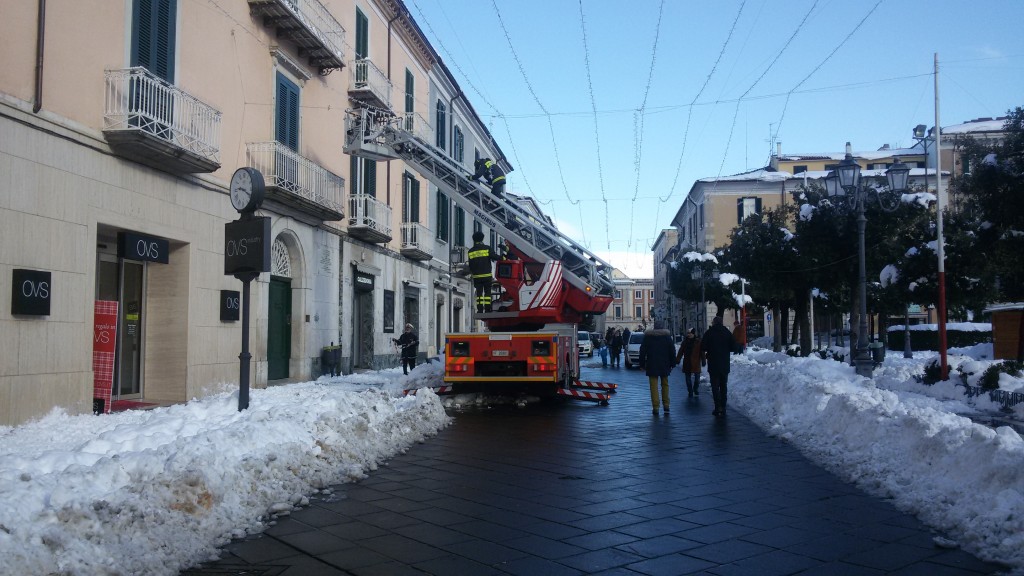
(544, 287)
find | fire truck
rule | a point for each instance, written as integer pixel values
(543, 287)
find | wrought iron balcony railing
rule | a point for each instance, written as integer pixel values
(370, 84)
(369, 218)
(156, 122)
(417, 241)
(416, 125)
(298, 181)
(310, 25)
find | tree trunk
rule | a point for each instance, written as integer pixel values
(804, 321)
(776, 330)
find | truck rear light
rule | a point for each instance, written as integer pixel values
(543, 367)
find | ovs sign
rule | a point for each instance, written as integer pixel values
(143, 248)
(30, 292)
(230, 305)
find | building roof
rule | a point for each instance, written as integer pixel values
(977, 125)
(883, 152)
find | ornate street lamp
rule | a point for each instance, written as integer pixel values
(898, 176)
(845, 180)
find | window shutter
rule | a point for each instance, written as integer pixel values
(353, 174)
(757, 205)
(739, 211)
(440, 125)
(371, 177)
(460, 227)
(287, 113)
(414, 200)
(153, 36)
(362, 35)
(409, 91)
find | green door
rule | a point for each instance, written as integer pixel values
(279, 328)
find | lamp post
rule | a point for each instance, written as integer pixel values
(845, 180)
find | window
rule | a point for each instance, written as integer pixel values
(442, 216)
(638, 294)
(746, 207)
(460, 227)
(618, 312)
(799, 168)
(651, 296)
(639, 312)
(410, 198)
(476, 155)
(287, 112)
(458, 144)
(702, 216)
(410, 82)
(362, 35)
(363, 175)
(493, 241)
(477, 226)
(618, 294)
(440, 124)
(153, 36)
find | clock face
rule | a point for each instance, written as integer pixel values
(241, 189)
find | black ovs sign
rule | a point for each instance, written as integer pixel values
(31, 291)
(247, 246)
(145, 248)
(230, 304)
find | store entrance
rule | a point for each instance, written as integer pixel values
(124, 281)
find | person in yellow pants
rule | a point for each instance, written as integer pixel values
(657, 358)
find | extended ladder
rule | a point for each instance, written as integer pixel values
(380, 135)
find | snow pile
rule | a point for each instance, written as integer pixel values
(891, 439)
(156, 491)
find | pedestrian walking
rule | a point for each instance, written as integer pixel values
(657, 357)
(690, 356)
(408, 343)
(739, 335)
(480, 258)
(717, 344)
(615, 343)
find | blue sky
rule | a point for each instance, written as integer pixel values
(602, 154)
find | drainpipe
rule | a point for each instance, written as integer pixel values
(40, 42)
(388, 169)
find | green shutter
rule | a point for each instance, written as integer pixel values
(414, 201)
(460, 227)
(153, 36)
(287, 113)
(362, 35)
(440, 125)
(370, 170)
(409, 91)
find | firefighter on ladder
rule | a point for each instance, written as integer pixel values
(492, 174)
(480, 258)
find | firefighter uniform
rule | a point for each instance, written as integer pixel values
(492, 174)
(480, 258)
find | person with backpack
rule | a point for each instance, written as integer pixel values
(690, 357)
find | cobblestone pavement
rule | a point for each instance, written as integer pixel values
(576, 488)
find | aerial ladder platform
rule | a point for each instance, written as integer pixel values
(381, 135)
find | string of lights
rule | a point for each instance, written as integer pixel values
(789, 94)
(593, 107)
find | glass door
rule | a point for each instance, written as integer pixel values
(129, 353)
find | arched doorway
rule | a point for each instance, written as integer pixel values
(279, 315)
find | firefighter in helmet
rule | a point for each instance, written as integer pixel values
(480, 258)
(492, 174)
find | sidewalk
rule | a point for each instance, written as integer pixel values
(576, 488)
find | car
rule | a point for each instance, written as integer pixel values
(584, 344)
(633, 349)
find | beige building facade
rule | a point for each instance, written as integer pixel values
(121, 124)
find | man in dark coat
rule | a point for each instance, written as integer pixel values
(615, 345)
(657, 357)
(480, 258)
(716, 346)
(408, 342)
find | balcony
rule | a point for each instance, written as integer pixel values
(369, 85)
(156, 123)
(369, 219)
(296, 185)
(416, 125)
(417, 241)
(310, 26)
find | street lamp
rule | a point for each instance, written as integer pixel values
(845, 180)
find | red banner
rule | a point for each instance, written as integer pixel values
(104, 346)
